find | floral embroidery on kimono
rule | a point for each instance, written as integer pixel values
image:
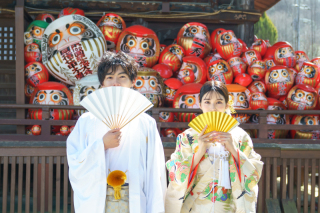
(200, 192)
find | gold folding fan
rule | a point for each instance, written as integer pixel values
(216, 121)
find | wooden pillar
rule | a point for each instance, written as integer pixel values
(19, 33)
(246, 30)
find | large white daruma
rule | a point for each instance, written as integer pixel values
(116, 106)
(72, 47)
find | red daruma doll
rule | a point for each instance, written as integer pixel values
(220, 70)
(171, 87)
(279, 119)
(228, 45)
(194, 37)
(141, 43)
(192, 70)
(36, 73)
(309, 74)
(278, 81)
(241, 99)
(32, 53)
(305, 120)
(302, 97)
(237, 65)
(172, 55)
(111, 26)
(187, 97)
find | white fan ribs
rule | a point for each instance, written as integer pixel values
(116, 106)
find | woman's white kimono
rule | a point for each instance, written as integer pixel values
(140, 153)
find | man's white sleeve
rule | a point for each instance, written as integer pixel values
(86, 160)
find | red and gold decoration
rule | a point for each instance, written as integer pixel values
(45, 17)
(194, 37)
(32, 53)
(141, 43)
(269, 63)
(164, 70)
(228, 45)
(51, 93)
(279, 119)
(166, 117)
(172, 55)
(309, 74)
(278, 81)
(260, 46)
(241, 97)
(193, 70)
(111, 26)
(257, 70)
(237, 65)
(220, 70)
(36, 130)
(187, 97)
(64, 130)
(305, 120)
(258, 101)
(150, 84)
(70, 11)
(171, 87)
(250, 55)
(36, 73)
(302, 97)
(257, 86)
(301, 57)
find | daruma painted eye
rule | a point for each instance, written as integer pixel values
(132, 43)
(55, 97)
(300, 94)
(284, 73)
(190, 101)
(139, 82)
(152, 83)
(309, 97)
(310, 122)
(194, 30)
(42, 96)
(275, 75)
(144, 45)
(241, 98)
(167, 91)
(76, 29)
(54, 39)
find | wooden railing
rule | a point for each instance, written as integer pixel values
(262, 126)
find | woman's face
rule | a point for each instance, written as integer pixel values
(213, 101)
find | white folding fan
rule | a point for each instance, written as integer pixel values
(116, 106)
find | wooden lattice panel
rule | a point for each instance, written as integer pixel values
(7, 41)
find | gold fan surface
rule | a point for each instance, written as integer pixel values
(216, 121)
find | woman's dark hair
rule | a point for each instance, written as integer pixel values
(214, 86)
(110, 61)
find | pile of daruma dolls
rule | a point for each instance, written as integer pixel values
(62, 57)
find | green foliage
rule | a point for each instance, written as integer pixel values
(265, 29)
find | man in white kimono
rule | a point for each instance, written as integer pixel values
(93, 151)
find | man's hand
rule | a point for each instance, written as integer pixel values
(112, 139)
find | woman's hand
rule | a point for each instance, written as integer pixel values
(204, 141)
(225, 139)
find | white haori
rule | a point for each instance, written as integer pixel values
(140, 153)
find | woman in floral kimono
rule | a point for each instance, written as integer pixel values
(214, 172)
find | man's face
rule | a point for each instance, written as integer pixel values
(118, 78)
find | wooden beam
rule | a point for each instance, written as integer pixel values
(20, 79)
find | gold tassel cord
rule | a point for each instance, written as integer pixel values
(116, 179)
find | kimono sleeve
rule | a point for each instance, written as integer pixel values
(250, 163)
(244, 181)
(179, 167)
(156, 177)
(86, 160)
